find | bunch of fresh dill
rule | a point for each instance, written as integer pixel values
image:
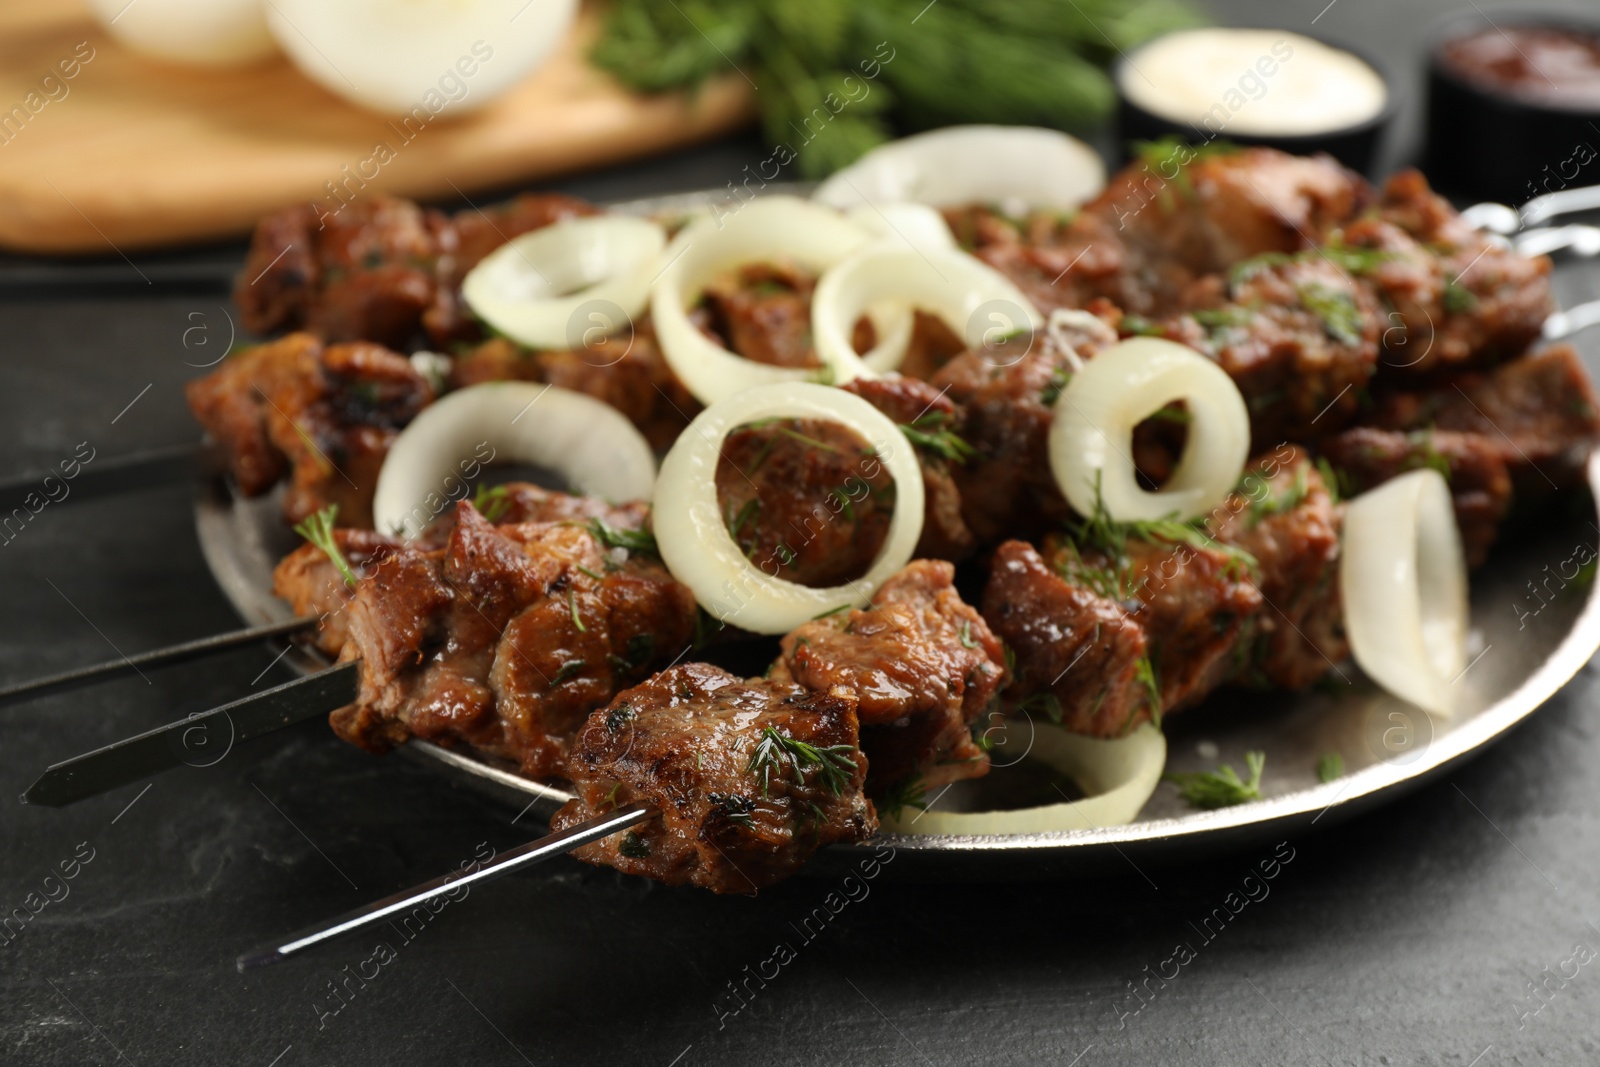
(854, 66)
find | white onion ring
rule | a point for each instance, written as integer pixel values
(771, 227)
(1117, 777)
(904, 225)
(1403, 579)
(206, 33)
(1117, 389)
(532, 287)
(588, 442)
(1018, 167)
(694, 540)
(948, 282)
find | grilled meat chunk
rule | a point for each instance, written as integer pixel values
(309, 581)
(806, 499)
(1285, 517)
(763, 312)
(626, 370)
(1470, 462)
(750, 778)
(505, 639)
(1077, 653)
(326, 414)
(1538, 412)
(1461, 297)
(377, 267)
(1298, 336)
(923, 665)
(1006, 487)
(930, 418)
(1194, 601)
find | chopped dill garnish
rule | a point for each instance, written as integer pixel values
(1352, 259)
(1426, 454)
(1144, 671)
(906, 793)
(831, 612)
(572, 605)
(1140, 326)
(1457, 298)
(1052, 389)
(1222, 787)
(492, 502)
(567, 670)
(735, 808)
(847, 507)
(1341, 319)
(775, 751)
(634, 847)
(1100, 531)
(931, 433)
(1332, 480)
(318, 529)
(1046, 702)
(1273, 502)
(1330, 766)
(640, 541)
(618, 717)
(746, 515)
(590, 573)
(966, 634)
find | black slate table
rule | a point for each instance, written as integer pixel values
(1415, 935)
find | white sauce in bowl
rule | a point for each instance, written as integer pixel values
(1259, 82)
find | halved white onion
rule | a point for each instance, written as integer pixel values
(1403, 579)
(769, 228)
(1117, 777)
(532, 288)
(694, 539)
(1018, 167)
(1091, 439)
(587, 442)
(969, 295)
(422, 58)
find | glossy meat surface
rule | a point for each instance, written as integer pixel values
(751, 778)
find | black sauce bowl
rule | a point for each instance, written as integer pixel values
(1483, 143)
(1356, 146)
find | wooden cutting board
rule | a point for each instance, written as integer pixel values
(140, 153)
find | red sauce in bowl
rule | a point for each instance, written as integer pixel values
(1555, 66)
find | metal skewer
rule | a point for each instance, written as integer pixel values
(200, 740)
(108, 477)
(533, 852)
(155, 658)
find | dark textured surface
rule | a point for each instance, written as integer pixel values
(1407, 936)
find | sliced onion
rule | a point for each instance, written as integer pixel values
(694, 540)
(1403, 579)
(588, 443)
(770, 228)
(1017, 167)
(533, 288)
(904, 225)
(205, 33)
(1117, 777)
(422, 58)
(969, 295)
(1091, 439)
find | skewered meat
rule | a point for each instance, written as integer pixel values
(763, 312)
(309, 580)
(750, 777)
(923, 666)
(378, 267)
(1070, 644)
(506, 638)
(1470, 462)
(325, 414)
(624, 370)
(806, 499)
(1298, 336)
(1539, 413)
(930, 417)
(1285, 517)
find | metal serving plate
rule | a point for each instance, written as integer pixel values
(1533, 627)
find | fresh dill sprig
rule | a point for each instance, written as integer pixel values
(1100, 531)
(1221, 788)
(776, 751)
(318, 529)
(642, 542)
(572, 606)
(931, 433)
(1457, 298)
(1341, 319)
(568, 670)
(1053, 388)
(1273, 502)
(906, 793)
(1144, 671)
(1046, 702)
(1330, 766)
(492, 502)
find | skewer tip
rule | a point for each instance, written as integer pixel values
(264, 957)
